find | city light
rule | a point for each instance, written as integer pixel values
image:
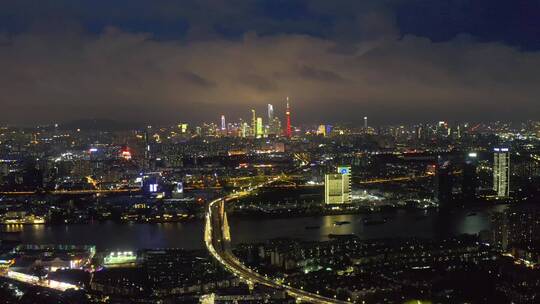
(323, 152)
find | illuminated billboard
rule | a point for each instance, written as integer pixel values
(344, 170)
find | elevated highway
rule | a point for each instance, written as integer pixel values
(218, 239)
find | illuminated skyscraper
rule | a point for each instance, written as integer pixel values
(365, 123)
(244, 129)
(337, 187)
(271, 130)
(333, 189)
(270, 113)
(345, 171)
(253, 123)
(259, 127)
(147, 154)
(288, 131)
(223, 124)
(501, 172)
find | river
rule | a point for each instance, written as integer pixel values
(189, 235)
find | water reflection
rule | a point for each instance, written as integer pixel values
(12, 228)
(338, 224)
(189, 235)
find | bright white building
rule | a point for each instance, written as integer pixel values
(337, 187)
(501, 172)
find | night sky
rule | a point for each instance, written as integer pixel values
(192, 60)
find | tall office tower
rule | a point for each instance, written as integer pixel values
(244, 129)
(288, 131)
(253, 123)
(501, 172)
(333, 189)
(223, 124)
(147, 152)
(419, 132)
(365, 123)
(271, 121)
(470, 177)
(270, 113)
(444, 182)
(259, 127)
(337, 187)
(276, 126)
(345, 171)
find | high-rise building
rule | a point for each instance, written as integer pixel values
(147, 149)
(244, 131)
(365, 123)
(345, 171)
(501, 172)
(223, 124)
(337, 187)
(499, 230)
(470, 177)
(444, 182)
(273, 125)
(517, 225)
(259, 127)
(288, 131)
(333, 189)
(270, 113)
(253, 123)
(419, 132)
(276, 126)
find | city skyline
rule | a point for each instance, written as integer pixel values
(279, 115)
(269, 151)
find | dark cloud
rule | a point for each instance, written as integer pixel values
(164, 60)
(198, 80)
(138, 77)
(512, 22)
(313, 73)
(256, 82)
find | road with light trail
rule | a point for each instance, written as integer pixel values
(217, 240)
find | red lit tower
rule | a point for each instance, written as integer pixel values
(288, 120)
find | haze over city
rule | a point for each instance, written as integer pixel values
(161, 61)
